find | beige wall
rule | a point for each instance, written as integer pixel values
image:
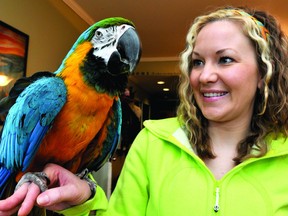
(51, 35)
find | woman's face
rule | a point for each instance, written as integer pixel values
(224, 76)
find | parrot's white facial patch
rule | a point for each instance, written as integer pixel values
(105, 40)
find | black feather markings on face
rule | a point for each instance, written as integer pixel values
(96, 74)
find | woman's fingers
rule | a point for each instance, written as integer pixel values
(56, 198)
(22, 200)
(15, 199)
(29, 200)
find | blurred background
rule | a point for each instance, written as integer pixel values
(54, 25)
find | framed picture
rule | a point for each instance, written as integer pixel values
(13, 58)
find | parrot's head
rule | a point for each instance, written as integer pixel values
(113, 55)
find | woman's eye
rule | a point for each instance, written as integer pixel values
(197, 63)
(225, 60)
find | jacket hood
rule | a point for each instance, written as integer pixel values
(162, 128)
(170, 129)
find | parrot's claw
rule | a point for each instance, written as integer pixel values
(83, 174)
(39, 178)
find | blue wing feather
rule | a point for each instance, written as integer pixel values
(27, 123)
(5, 174)
(35, 139)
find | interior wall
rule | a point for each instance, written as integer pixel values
(51, 33)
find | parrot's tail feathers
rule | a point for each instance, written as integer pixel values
(4, 176)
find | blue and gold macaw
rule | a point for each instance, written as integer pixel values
(71, 117)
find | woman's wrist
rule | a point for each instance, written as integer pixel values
(88, 205)
(92, 185)
(84, 175)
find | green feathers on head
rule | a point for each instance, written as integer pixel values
(112, 21)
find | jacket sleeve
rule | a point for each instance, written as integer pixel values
(130, 196)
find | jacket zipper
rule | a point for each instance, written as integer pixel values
(216, 206)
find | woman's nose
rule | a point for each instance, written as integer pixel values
(209, 73)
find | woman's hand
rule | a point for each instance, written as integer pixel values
(65, 190)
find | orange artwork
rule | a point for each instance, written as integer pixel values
(13, 57)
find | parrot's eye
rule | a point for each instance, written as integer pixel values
(98, 34)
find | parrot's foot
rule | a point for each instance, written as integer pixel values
(39, 178)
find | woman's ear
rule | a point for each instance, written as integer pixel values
(260, 83)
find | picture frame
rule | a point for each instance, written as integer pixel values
(13, 59)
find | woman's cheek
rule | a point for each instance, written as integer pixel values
(194, 80)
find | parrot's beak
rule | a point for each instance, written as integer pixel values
(128, 53)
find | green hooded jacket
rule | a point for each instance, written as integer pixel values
(162, 176)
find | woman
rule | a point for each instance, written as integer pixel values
(226, 152)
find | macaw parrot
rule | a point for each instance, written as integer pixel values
(71, 117)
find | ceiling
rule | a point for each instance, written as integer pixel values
(162, 26)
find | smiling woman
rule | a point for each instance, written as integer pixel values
(224, 68)
(224, 75)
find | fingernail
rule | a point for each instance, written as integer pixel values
(42, 200)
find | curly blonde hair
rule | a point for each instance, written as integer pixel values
(271, 105)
